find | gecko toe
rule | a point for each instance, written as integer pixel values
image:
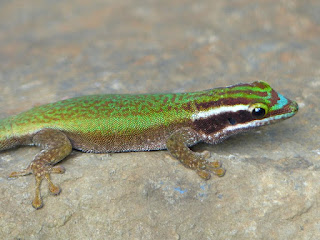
(213, 165)
(37, 203)
(23, 172)
(54, 190)
(220, 172)
(203, 174)
(58, 169)
(206, 154)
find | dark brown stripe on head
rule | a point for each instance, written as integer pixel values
(274, 98)
(218, 122)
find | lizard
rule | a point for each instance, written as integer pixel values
(141, 122)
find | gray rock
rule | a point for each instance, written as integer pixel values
(271, 190)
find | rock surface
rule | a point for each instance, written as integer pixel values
(70, 48)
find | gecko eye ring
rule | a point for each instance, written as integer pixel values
(258, 110)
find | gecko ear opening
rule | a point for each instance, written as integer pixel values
(232, 121)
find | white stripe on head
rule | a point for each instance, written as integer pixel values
(218, 110)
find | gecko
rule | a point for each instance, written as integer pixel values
(142, 122)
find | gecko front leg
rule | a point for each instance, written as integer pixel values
(177, 145)
(55, 147)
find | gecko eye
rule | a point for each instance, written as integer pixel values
(259, 110)
(258, 113)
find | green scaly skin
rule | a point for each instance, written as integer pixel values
(117, 123)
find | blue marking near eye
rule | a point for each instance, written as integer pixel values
(281, 102)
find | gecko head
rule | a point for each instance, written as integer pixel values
(262, 104)
(242, 107)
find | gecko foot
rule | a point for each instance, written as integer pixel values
(40, 173)
(205, 168)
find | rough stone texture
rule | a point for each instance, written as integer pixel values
(51, 50)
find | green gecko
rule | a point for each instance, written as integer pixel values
(120, 123)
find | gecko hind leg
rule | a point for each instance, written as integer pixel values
(55, 147)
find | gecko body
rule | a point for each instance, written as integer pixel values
(119, 123)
